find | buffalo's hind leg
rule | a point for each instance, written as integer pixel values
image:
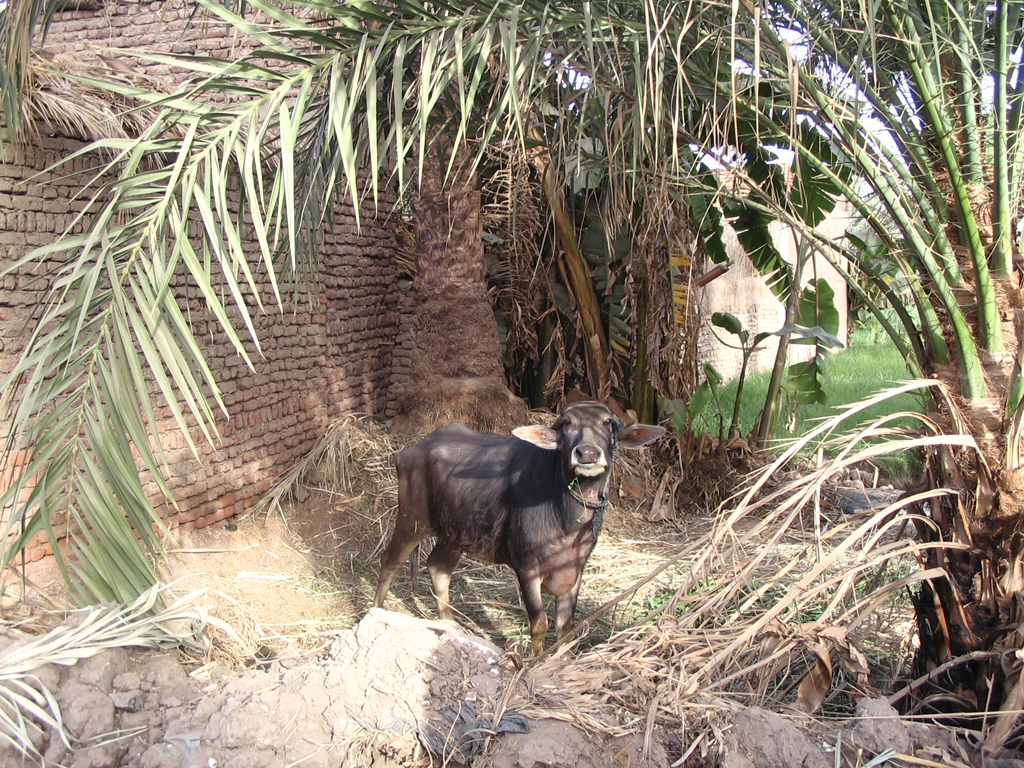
(398, 551)
(411, 524)
(440, 565)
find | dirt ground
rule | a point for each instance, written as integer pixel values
(312, 676)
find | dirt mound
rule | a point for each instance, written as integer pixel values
(385, 692)
(557, 744)
(762, 739)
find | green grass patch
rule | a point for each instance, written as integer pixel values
(869, 364)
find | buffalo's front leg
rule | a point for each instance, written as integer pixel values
(440, 564)
(529, 586)
(565, 606)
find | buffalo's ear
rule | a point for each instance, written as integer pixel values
(541, 436)
(639, 435)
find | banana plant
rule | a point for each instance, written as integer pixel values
(805, 380)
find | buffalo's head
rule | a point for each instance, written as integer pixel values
(587, 434)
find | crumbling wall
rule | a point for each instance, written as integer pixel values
(743, 292)
(323, 354)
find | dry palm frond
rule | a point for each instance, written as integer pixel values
(514, 221)
(56, 101)
(26, 704)
(762, 604)
(327, 463)
(661, 292)
(353, 458)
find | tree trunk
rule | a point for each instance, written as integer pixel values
(967, 621)
(457, 372)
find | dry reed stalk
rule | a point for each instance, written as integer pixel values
(759, 601)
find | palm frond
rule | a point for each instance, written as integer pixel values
(27, 703)
(748, 609)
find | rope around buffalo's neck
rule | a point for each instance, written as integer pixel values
(597, 519)
(600, 506)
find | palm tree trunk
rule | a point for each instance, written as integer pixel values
(457, 371)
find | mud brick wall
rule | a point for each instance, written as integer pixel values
(323, 355)
(175, 26)
(743, 292)
(405, 341)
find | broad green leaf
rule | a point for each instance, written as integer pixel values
(817, 307)
(729, 322)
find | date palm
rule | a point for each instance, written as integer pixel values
(341, 98)
(913, 110)
(336, 100)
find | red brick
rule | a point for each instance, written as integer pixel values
(278, 410)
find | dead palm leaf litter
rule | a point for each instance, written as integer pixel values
(773, 599)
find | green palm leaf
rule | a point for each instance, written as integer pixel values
(335, 101)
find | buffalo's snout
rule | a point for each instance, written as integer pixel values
(588, 460)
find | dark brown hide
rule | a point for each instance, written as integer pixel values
(534, 502)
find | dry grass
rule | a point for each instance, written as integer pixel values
(774, 601)
(57, 100)
(737, 607)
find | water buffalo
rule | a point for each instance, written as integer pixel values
(534, 502)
